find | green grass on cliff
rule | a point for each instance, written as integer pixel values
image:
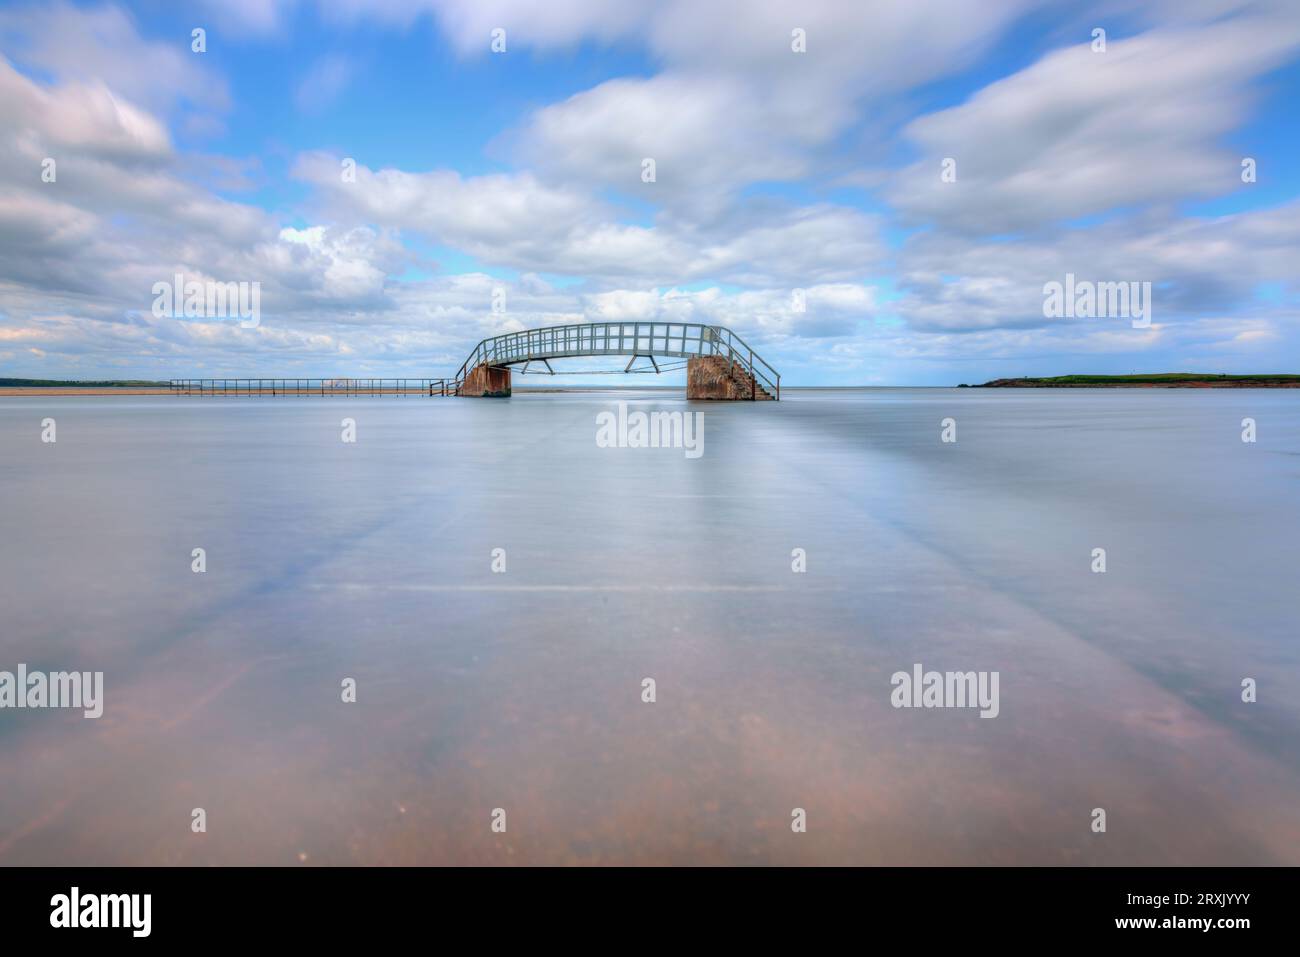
(1159, 378)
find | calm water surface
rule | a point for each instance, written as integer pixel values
(522, 690)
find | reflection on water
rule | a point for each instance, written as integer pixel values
(522, 689)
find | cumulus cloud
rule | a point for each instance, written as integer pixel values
(517, 220)
(477, 211)
(82, 118)
(102, 45)
(706, 138)
(1083, 132)
(734, 105)
(768, 315)
(1196, 266)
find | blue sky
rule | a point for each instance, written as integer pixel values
(777, 171)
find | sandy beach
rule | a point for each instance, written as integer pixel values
(37, 392)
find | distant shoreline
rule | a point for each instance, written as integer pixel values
(1166, 380)
(1162, 380)
(13, 387)
(6, 390)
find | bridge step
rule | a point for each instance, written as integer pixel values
(718, 377)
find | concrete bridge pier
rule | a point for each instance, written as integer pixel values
(487, 381)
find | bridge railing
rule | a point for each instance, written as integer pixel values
(679, 339)
(292, 387)
(740, 352)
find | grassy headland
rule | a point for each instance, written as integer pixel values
(1167, 380)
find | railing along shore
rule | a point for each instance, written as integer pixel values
(318, 387)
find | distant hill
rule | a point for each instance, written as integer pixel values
(80, 384)
(1168, 380)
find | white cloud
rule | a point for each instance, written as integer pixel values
(85, 118)
(707, 137)
(316, 265)
(102, 45)
(1080, 132)
(1197, 266)
(833, 309)
(519, 221)
(559, 23)
(248, 18)
(734, 104)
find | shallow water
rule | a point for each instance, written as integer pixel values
(522, 690)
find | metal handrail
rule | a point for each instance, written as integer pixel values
(445, 386)
(289, 386)
(772, 382)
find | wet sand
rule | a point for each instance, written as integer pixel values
(522, 690)
(42, 391)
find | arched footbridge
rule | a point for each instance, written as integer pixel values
(719, 364)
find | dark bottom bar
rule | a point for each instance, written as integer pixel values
(984, 907)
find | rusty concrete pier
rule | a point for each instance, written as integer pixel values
(486, 381)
